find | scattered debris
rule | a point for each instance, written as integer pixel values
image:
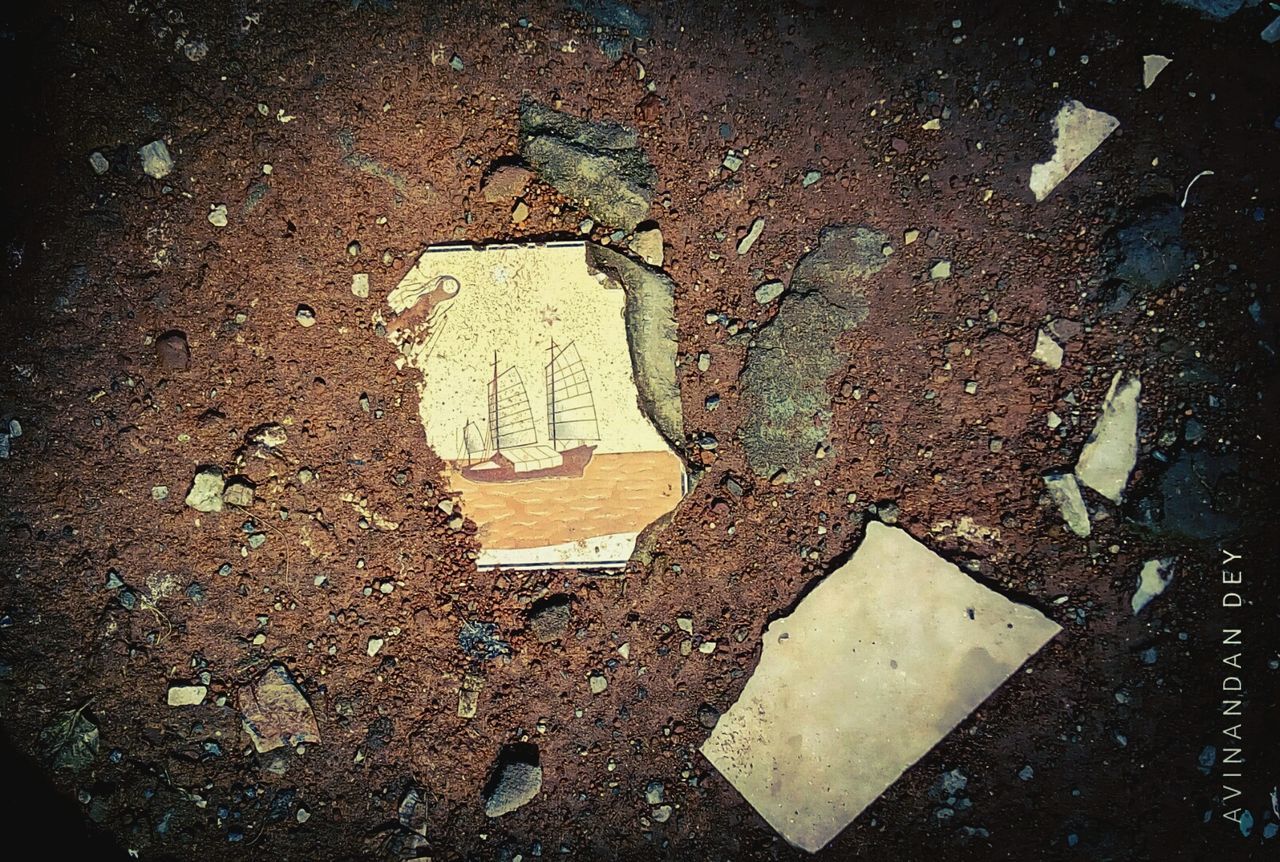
(70, 741)
(275, 712)
(187, 695)
(156, 161)
(1111, 451)
(516, 779)
(1077, 132)
(769, 291)
(1065, 492)
(1151, 583)
(1048, 352)
(647, 243)
(480, 640)
(753, 234)
(206, 490)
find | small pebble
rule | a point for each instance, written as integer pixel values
(218, 216)
(306, 316)
(99, 162)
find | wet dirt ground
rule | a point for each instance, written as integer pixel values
(373, 138)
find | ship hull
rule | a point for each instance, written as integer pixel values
(572, 464)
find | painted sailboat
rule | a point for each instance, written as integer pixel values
(511, 451)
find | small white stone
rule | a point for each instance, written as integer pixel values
(218, 216)
(648, 245)
(1109, 454)
(1151, 583)
(360, 284)
(1152, 66)
(757, 227)
(156, 161)
(187, 695)
(598, 683)
(1048, 352)
(707, 647)
(375, 644)
(940, 270)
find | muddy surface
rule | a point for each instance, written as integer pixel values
(377, 146)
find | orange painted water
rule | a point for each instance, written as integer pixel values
(618, 493)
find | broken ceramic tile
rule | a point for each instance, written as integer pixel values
(1048, 352)
(1065, 492)
(1109, 454)
(874, 667)
(1077, 131)
(1152, 66)
(1152, 580)
(529, 395)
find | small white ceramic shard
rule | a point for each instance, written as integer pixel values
(1152, 66)
(1152, 581)
(1109, 454)
(875, 666)
(1077, 131)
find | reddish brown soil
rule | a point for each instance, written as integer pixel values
(104, 421)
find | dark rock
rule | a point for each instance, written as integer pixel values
(1147, 252)
(1199, 497)
(549, 617)
(708, 715)
(651, 336)
(480, 640)
(516, 779)
(611, 13)
(598, 164)
(784, 377)
(1217, 10)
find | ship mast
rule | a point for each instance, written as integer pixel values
(497, 435)
(552, 417)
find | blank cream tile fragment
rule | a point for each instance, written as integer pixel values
(1077, 131)
(873, 668)
(1152, 66)
(1109, 454)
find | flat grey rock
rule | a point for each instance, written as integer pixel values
(600, 165)
(516, 781)
(783, 380)
(650, 317)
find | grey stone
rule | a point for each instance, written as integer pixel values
(783, 380)
(156, 161)
(600, 164)
(1065, 492)
(1147, 252)
(757, 227)
(516, 780)
(99, 163)
(651, 337)
(238, 492)
(206, 490)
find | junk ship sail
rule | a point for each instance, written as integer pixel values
(511, 451)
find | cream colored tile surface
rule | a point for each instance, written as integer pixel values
(529, 397)
(875, 666)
